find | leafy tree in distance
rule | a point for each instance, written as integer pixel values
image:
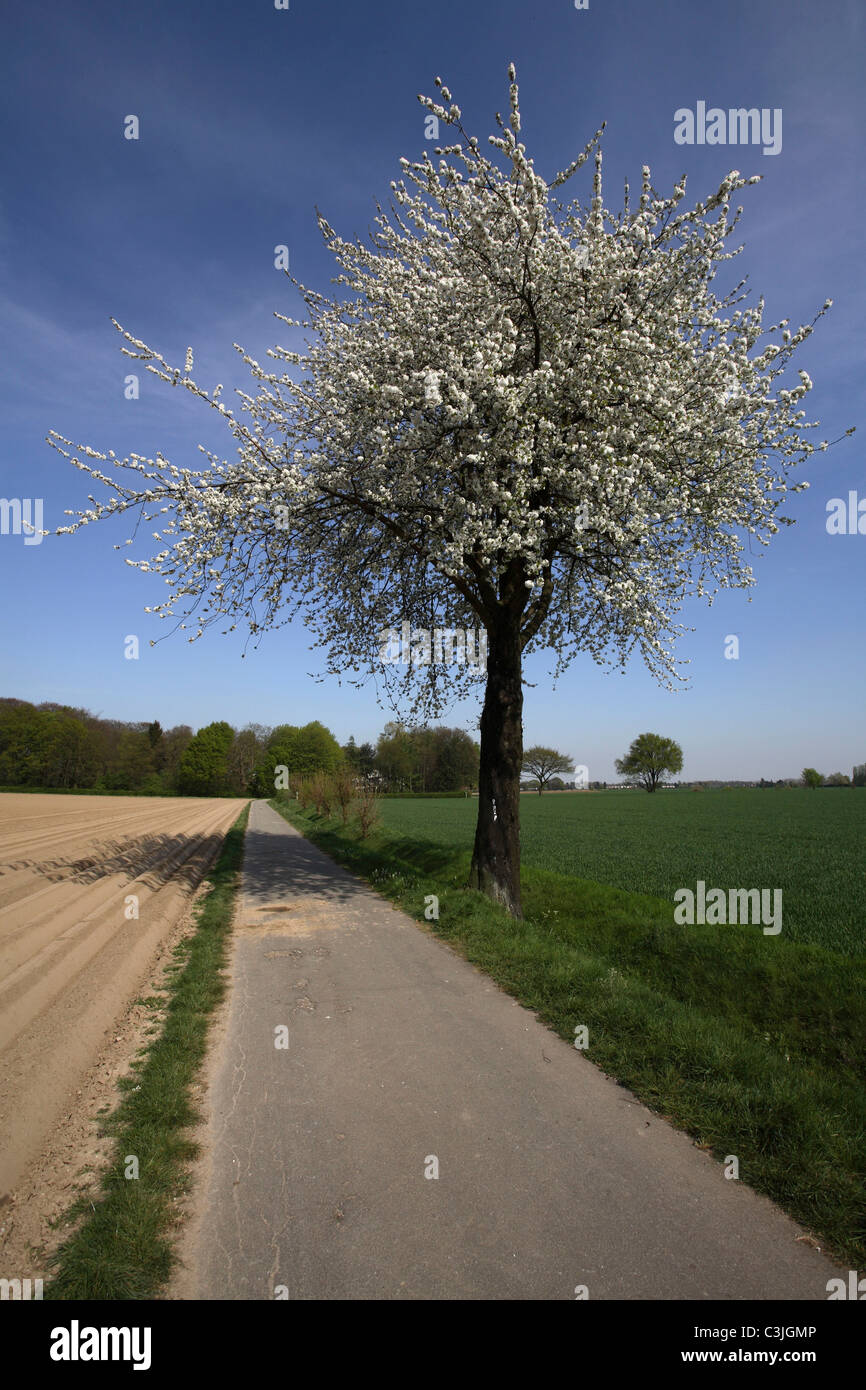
(45, 747)
(359, 759)
(455, 760)
(811, 777)
(366, 759)
(649, 759)
(54, 745)
(203, 768)
(171, 750)
(244, 754)
(530, 418)
(132, 763)
(545, 763)
(315, 750)
(394, 755)
(304, 751)
(425, 759)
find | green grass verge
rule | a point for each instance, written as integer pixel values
(754, 1045)
(122, 1248)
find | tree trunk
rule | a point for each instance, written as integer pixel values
(495, 867)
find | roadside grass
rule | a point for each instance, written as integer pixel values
(753, 1045)
(121, 1249)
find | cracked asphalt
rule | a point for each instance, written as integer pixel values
(403, 1060)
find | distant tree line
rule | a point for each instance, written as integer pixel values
(811, 777)
(62, 747)
(418, 759)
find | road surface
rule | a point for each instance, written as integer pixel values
(402, 1061)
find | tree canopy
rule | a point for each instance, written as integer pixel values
(535, 417)
(204, 769)
(649, 759)
(545, 763)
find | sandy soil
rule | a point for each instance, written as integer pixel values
(72, 964)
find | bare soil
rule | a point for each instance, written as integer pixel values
(74, 961)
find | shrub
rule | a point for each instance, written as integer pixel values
(323, 793)
(305, 793)
(368, 810)
(344, 793)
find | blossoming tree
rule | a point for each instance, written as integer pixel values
(530, 416)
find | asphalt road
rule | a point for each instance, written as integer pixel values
(552, 1179)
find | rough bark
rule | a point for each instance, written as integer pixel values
(495, 867)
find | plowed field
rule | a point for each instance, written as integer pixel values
(74, 871)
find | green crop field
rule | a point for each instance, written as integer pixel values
(752, 1043)
(810, 844)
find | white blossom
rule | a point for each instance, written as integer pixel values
(493, 362)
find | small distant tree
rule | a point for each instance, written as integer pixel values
(545, 763)
(838, 779)
(649, 760)
(811, 777)
(858, 778)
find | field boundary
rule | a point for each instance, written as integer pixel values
(121, 1245)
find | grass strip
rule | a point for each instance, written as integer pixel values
(753, 1045)
(122, 1249)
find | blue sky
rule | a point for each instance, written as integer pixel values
(252, 116)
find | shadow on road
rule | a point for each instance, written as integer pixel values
(301, 868)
